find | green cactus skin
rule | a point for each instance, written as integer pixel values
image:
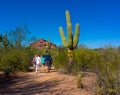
(72, 41)
(48, 44)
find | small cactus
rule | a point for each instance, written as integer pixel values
(79, 83)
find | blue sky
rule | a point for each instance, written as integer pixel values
(99, 19)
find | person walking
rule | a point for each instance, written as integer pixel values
(34, 61)
(43, 62)
(48, 60)
(51, 63)
(38, 64)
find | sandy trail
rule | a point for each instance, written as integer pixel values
(30, 83)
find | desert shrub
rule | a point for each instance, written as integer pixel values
(14, 60)
(95, 59)
(109, 72)
(105, 62)
(80, 59)
(61, 61)
(109, 81)
(84, 59)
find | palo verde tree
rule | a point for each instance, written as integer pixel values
(72, 41)
(1, 37)
(5, 40)
(18, 36)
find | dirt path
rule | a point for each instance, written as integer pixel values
(52, 83)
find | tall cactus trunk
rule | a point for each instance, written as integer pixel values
(70, 56)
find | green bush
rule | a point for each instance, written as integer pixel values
(84, 59)
(109, 72)
(61, 61)
(14, 60)
(105, 62)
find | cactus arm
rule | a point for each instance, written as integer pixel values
(63, 37)
(76, 36)
(69, 30)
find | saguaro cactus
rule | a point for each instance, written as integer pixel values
(48, 44)
(72, 41)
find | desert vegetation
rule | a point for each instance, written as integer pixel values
(104, 62)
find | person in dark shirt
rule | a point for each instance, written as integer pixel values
(48, 59)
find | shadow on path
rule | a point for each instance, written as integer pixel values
(24, 85)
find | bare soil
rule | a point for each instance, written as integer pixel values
(43, 83)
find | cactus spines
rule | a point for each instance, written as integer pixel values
(69, 30)
(72, 41)
(63, 37)
(76, 36)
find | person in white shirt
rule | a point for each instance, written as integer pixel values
(38, 63)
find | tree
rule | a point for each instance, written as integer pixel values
(1, 37)
(18, 36)
(5, 40)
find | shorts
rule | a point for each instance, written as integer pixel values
(47, 63)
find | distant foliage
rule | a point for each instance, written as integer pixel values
(5, 40)
(1, 37)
